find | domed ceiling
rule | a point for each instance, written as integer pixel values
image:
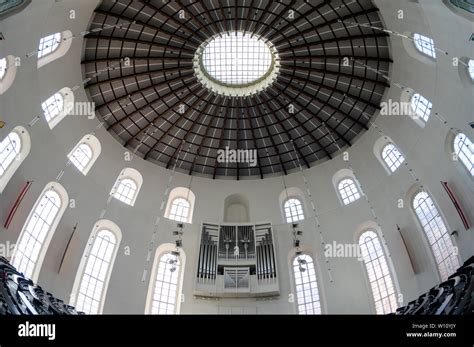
(299, 82)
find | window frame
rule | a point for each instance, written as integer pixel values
(393, 296)
(53, 224)
(421, 113)
(425, 45)
(100, 225)
(313, 285)
(55, 40)
(299, 206)
(173, 211)
(348, 197)
(466, 158)
(163, 249)
(395, 161)
(427, 237)
(16, 149)
(105, 277)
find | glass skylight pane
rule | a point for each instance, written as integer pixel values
(237, 58)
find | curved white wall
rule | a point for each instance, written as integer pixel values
(424, 149)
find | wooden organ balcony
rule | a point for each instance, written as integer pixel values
(236, 260)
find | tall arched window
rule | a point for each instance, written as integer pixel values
(81, 156)
(166, 285)
(53, 47)
(392, 157)
(3, 67)
(179, 210)
(464, 150)
(378, 272)
(293, 210)
(13, 151)
(49, 44)
(126, 190)
(86, 152)
(425, 45)
(10, 148)
(53, 106)
(348, 191)
(92, 278)
(437, 234)
(127, 186)
(421, 107)
(38, 230)
(58, 106)
(307, 294)
(180, 205)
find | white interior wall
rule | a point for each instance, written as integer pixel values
(424, 149)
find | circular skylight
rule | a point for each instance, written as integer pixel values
(236, 63)
(237, 58)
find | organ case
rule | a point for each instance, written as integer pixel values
(236, 260)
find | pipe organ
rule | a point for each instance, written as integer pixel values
(236, 260)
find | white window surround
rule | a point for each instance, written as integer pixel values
(94, 144)
(60, 51)
(118, 190)
(293, 208)
(9, 75)
(59, 190)
(379, 145)
(379, 274)
(342, 175)
(67, 106)
(25, 140)
(160, 251)
(184, 193)
(99, 226)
